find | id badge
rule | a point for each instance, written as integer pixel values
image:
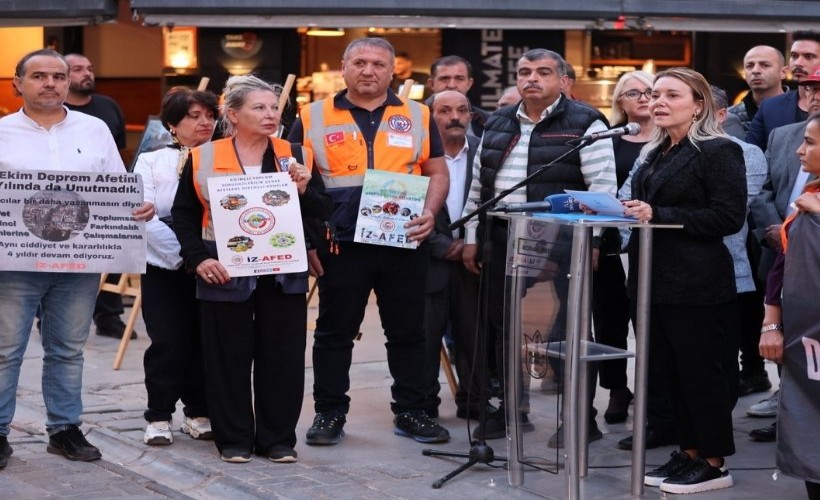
(400, 140)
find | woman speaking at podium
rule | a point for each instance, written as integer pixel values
(690, 173)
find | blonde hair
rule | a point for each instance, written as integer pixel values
(705, 126)
(617, 115)
(236, 92)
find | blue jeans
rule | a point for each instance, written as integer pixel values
(67, 301)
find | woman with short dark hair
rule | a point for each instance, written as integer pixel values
(173, 361)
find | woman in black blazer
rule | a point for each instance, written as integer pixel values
(691, 174)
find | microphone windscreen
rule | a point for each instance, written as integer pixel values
(563, 203)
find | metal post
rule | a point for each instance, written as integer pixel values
(641, 357)
(514, 378)
(580, 251)
(585, 274)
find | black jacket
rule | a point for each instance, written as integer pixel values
(704, 190)
(569, 120)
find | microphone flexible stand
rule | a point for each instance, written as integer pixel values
(480, 451)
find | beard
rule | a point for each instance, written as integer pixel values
(85, 87)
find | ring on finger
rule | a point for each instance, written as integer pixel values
(210, 275)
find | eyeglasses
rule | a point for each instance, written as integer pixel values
(809, 88)
(636, 94)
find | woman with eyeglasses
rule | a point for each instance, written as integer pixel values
(690, 173)
(611, 306)
(173, 361)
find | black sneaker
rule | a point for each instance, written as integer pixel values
(698, 477)
(235, 455)
(679, 462)
(327, 428)
(557, 439)
(417, 425)
(764, 434)
(752, 384)
(5, 452)
(282, 454)
(71, 443)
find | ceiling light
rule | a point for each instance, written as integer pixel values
(313, 31)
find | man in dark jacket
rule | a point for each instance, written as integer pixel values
(517, 141)
(764, 69)
(452, 292)
(456, 73)
(791, 107)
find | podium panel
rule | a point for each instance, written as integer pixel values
(549, 355)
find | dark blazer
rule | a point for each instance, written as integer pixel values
(774, 112)
(704, 190)
(441, 238)
(770, 206)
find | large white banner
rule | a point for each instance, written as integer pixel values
(258, 224)
(53, 221)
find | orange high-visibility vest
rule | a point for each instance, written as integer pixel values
(401, 144)
(219, 158)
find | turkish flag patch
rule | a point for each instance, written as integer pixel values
(334, 138)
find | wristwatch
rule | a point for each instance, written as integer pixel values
(769, 328)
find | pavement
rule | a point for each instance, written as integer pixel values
(370, 463)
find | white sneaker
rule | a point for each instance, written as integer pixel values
(766, 407)
(158, 433)
(198, 427)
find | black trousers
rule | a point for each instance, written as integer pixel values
(498, 288)
(751, 317)
(255, 367)
(813, 490)
(397, 276)
(109, 308)
(693, 352)
(610, 316)
(173, 361)
(454, 305)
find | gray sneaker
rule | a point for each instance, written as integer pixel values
(766, 407)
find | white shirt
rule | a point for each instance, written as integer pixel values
(160, 179)
(79, 143)
(597, 167)
(457, 165)
(799, 183)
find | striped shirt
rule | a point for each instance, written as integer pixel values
(597, 167)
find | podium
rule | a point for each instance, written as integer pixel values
(547, 313)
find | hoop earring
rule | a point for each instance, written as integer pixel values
(694, 118)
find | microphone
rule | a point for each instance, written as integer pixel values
(628, 129)
(555, 203)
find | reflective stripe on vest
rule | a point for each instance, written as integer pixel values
(219, 158)
(341, 153)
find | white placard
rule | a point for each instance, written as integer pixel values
(258, 224)
(76, 222)
(389, 201)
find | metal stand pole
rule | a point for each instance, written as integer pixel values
(585, 273)
(514, 378)
(580, 252)
(641, 358)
